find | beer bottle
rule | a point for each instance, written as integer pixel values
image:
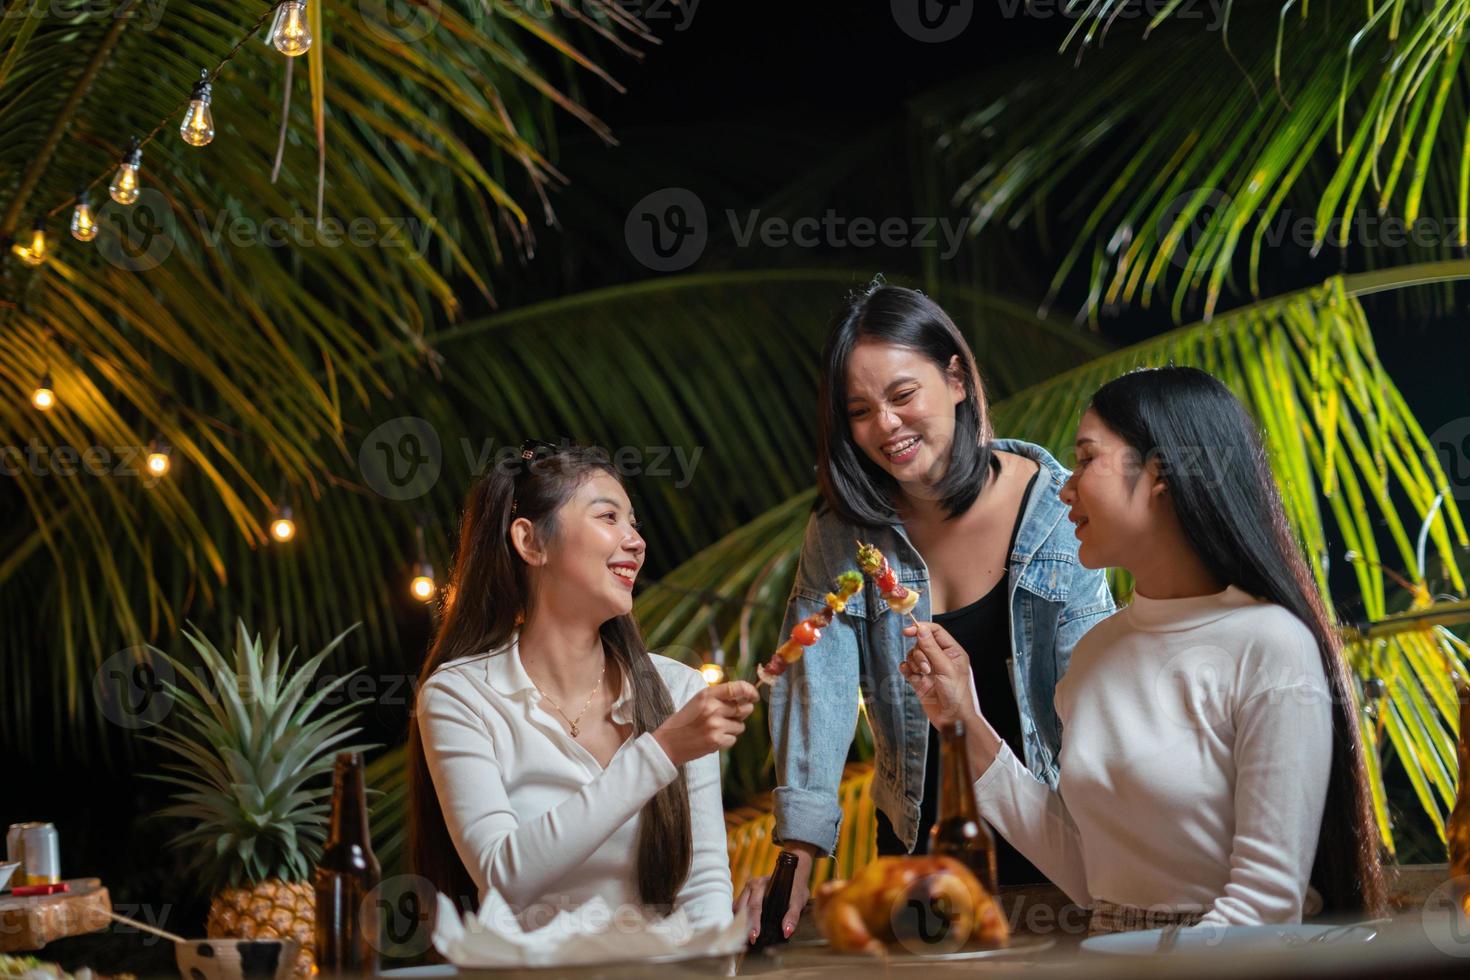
(346, 932)
(1457, 831)
(958, 830)
(776, 901)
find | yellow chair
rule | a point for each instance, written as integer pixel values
(748, 832)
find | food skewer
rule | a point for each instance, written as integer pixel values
(809, 630)
(899, 598)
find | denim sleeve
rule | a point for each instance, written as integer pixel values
(1090, 602)
(813, 711)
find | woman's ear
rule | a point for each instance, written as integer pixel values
(523, 539)
(954, 376)
(1158, 484)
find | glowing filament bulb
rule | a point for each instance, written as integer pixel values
(43, 397)
(34, 251)
(289, 31)
(124, 186)
(422, 585)
(83, 222)
(158, 462)
(198, 126)
(713, 673)
(283, 528)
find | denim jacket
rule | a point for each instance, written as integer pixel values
(813, 712)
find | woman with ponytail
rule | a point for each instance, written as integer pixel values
(551, 756)
(1211, 766)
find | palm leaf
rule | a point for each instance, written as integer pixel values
(720, 368)
(739, 584)
(1172, 187)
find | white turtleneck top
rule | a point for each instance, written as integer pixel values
(1196, 744)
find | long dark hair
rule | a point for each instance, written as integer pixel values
(1210, 453)
(486, 593)
(857, 489)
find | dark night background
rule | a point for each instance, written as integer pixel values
(749, 102)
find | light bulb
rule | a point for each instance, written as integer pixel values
(124, 186)
(34, 252)
(83, 222)
(198, 126)
(43, 397)
(283, 528)
(289, 31)
(713, 674)
(422, 585)
(158, 462)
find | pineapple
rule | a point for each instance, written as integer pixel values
(255, 783)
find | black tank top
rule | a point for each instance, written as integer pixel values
(983, 628)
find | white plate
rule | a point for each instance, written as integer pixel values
(694, 964)
(819, 952)
(1195, 939)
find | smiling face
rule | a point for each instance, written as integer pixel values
(593, 556)
(901, 411)
(1118, 505)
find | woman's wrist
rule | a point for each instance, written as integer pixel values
(982, 745)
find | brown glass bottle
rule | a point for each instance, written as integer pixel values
(958, 830)
(346, 931)
(1457, 831)
(777, 899)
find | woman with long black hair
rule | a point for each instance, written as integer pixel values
(1211, 767)
(907, 461)
(551, 756)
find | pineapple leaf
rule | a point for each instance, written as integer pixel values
(249, 752)
(227, 693)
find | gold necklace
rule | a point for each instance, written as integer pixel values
(585, 705)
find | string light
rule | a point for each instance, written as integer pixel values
(714, 670)
(197, 128)
(83, 222)
(290, 29)
(34, 253)
(291, 32)
(158, 458)
(124, 186)
(422, 587)
(43, 397)
(283, 526)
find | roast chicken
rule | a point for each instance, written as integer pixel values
(913, 904)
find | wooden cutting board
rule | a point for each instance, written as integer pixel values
(30, 923)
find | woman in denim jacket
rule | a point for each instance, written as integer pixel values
(907, 462)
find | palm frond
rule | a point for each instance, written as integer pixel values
(1338, 433)
(1355, 119)
(706, 380)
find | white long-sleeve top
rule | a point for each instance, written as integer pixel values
(1196, 744)
(533, 813)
